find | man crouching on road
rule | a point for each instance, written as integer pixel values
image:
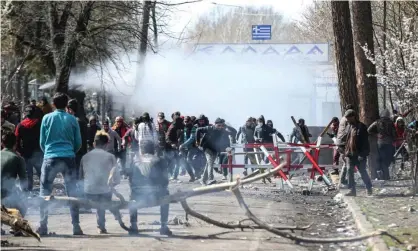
(100, 173)
(149, 182)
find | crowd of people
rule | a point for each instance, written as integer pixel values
(93, 157)
(89, 155)
(352, 138)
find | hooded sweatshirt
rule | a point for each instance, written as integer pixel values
(27, 136)
(174, 133)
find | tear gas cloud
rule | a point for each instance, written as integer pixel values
(227, 86)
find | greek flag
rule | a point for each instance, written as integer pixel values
(261, 32)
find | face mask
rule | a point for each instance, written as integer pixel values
(260, 123)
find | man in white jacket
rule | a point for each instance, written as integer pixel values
(146, 130)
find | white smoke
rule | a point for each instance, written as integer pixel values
(229, 87)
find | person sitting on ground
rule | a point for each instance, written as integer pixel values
(149, 183)
(99, 171)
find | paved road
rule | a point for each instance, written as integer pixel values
(198, 236)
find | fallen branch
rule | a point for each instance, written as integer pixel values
(172, 198)
(202, 217)
(17, 222)
(299, 239)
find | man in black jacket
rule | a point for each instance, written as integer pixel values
(264, 133)
(92, 129)
(149, 182)
(173, 140)
(356, 151)
(27, 137)
(212, 140)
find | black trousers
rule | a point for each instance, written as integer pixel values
(149, 194)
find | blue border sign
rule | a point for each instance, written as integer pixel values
(261, 32)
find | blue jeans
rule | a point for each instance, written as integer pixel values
(50, 169)
(34, 161)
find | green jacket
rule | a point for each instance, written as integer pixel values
(12, 166)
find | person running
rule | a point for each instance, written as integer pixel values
(162, 128)
(247, 137)
(211, 138)
(60, 140)
(173, 139)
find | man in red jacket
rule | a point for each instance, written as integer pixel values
(27, 137)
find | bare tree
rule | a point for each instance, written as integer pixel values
(234, 26)
(344, 53)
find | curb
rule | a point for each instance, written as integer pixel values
(376, 243)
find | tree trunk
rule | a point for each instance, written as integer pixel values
(344, 54)
(366, 86)
(384, 50)
(154, 25)
(143, 45)
(25, 88)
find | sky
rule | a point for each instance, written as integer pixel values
(291, 9)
